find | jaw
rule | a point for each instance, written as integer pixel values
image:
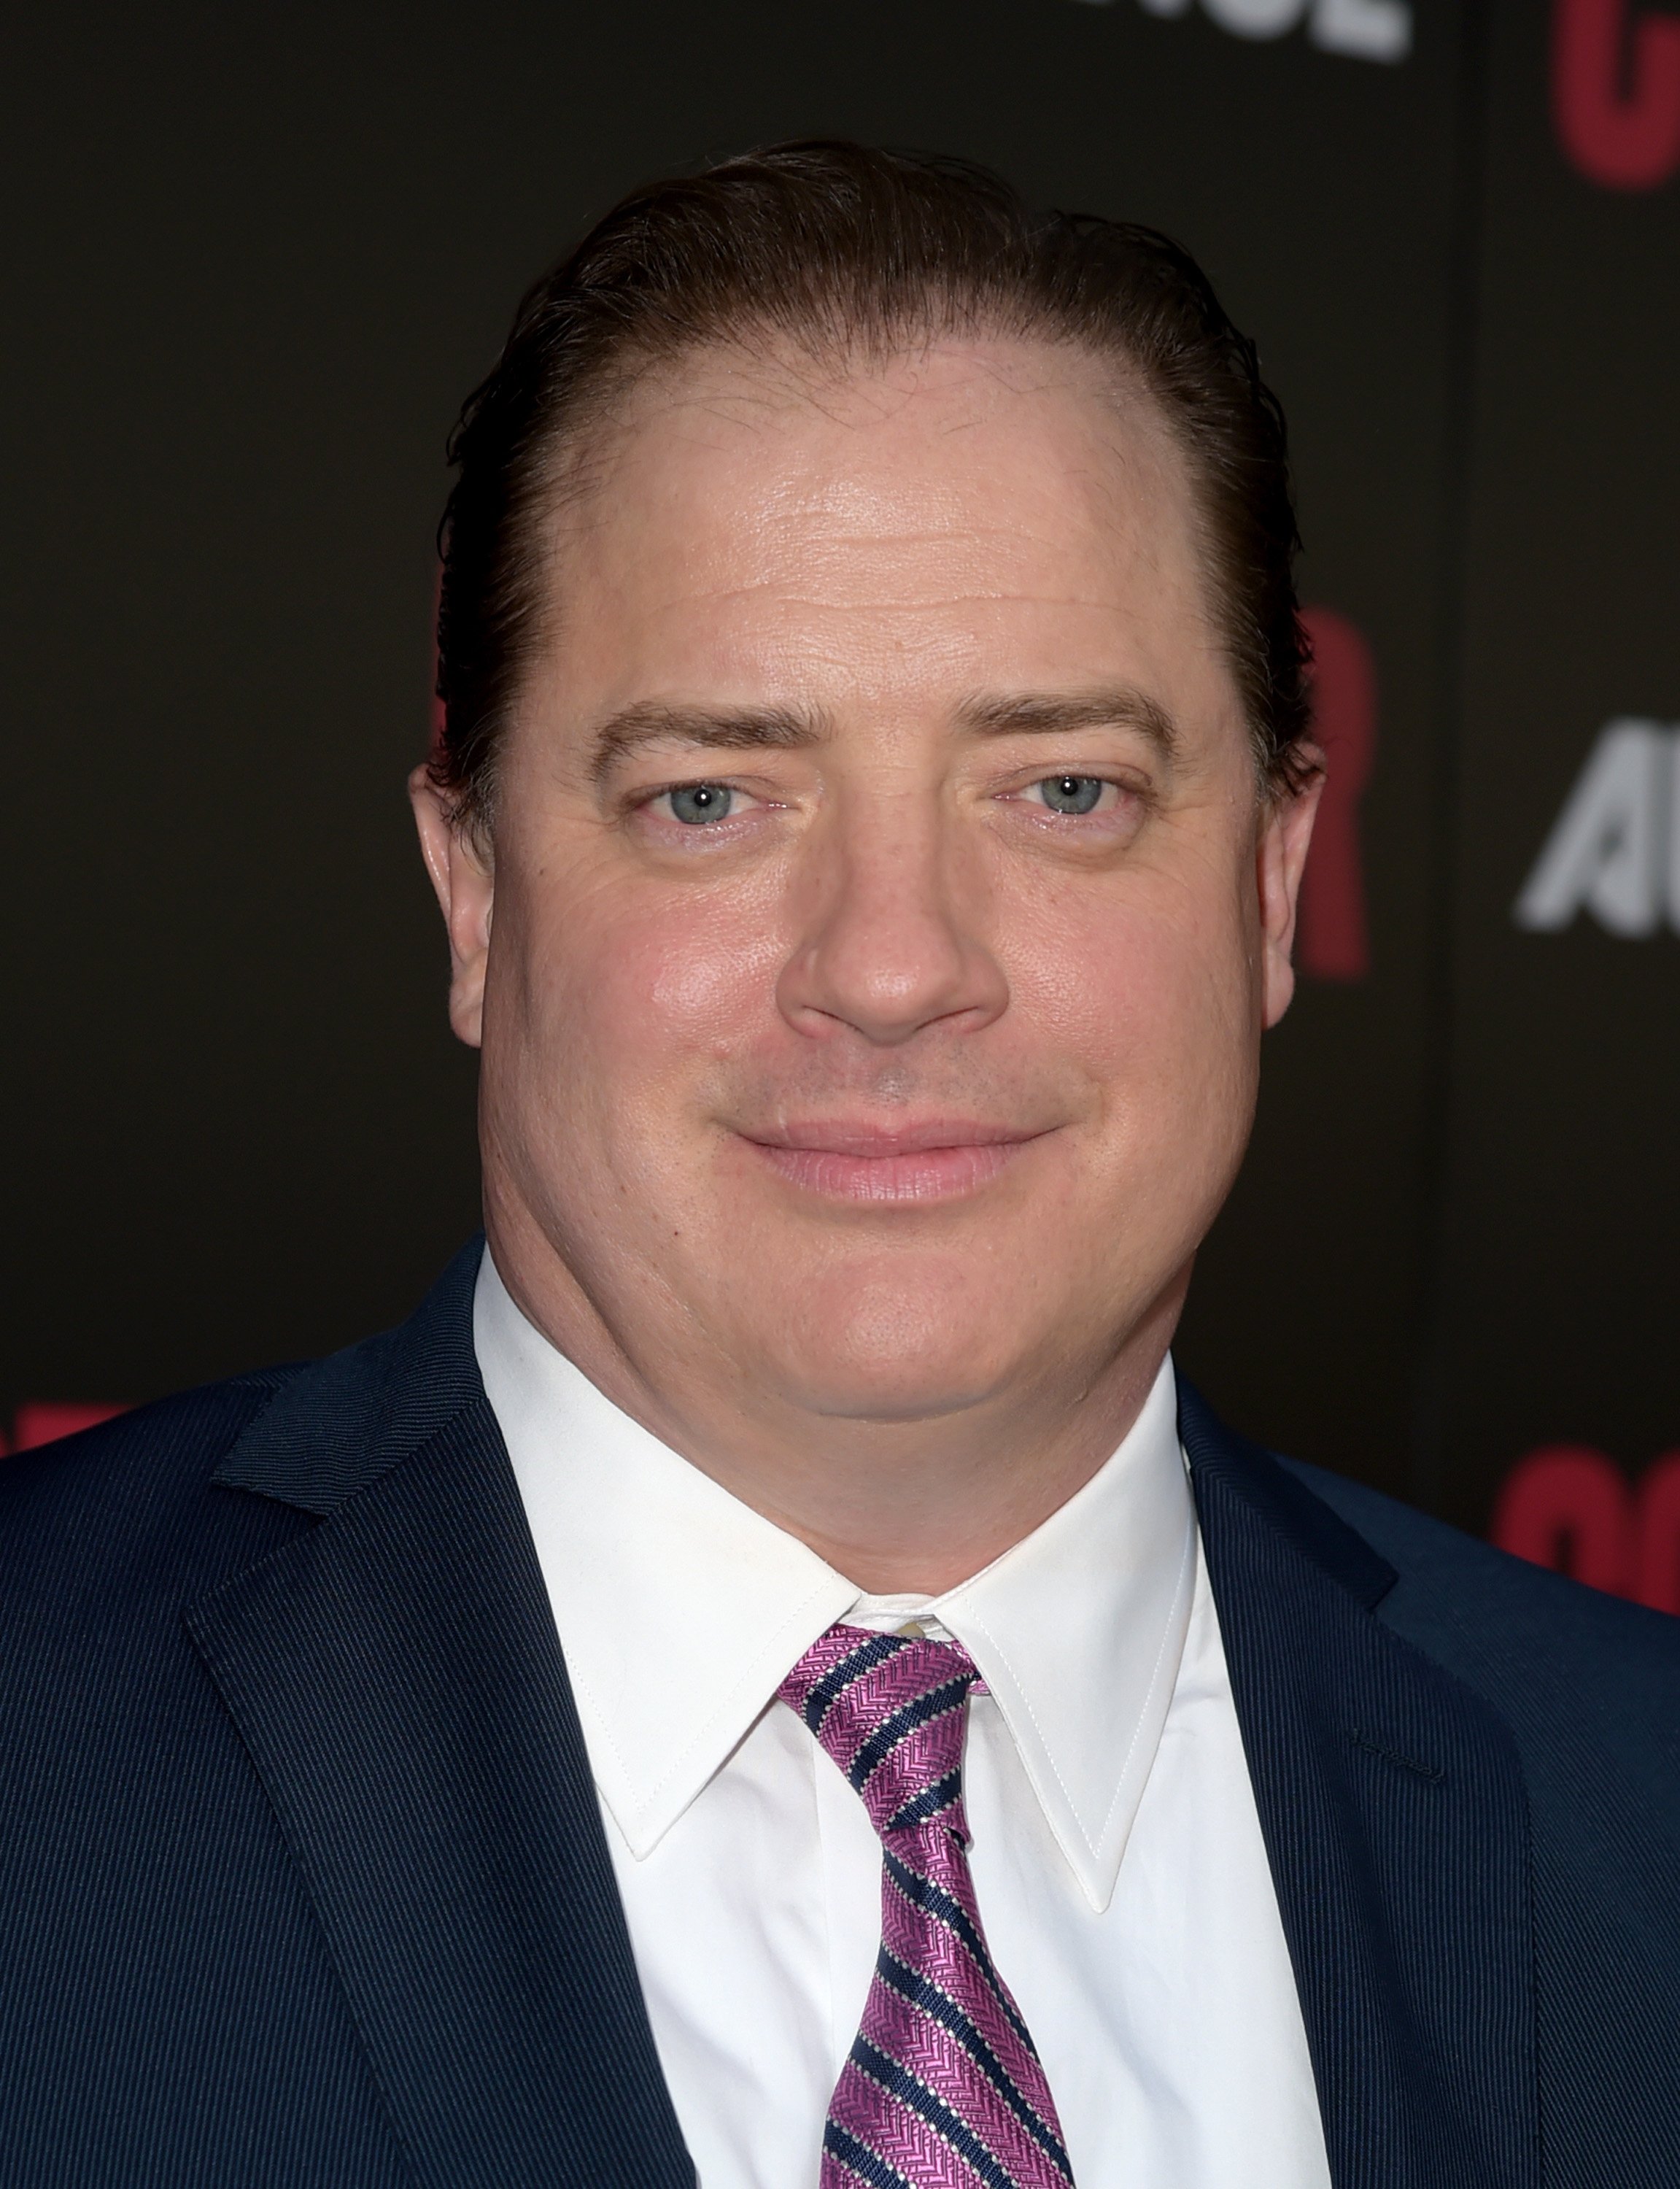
(959, 1334)
(907, 1398)
(724, 1290)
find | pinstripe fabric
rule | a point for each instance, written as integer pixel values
(302, 1880)
(1392, 1804)
(1588, 1688)
(397, 1680)
(943, 2088)
(324, 1898)
(170, 2017)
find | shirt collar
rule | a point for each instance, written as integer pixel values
(680, 1609)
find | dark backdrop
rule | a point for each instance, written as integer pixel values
(255, 256)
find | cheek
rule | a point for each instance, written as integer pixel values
(639, 993)
(1150, 994)
(702, 978)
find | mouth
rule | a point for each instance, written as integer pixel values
(929, 1160)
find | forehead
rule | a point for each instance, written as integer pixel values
(976, 509)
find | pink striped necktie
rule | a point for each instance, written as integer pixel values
(943, 2088)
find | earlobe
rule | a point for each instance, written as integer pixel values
(464, 886)
(1286, 834)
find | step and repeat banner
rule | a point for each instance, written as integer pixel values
(254, 258)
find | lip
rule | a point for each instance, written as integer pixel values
(928, 1159)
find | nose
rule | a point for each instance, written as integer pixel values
(889, 940)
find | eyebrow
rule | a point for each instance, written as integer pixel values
(728, 729)
(1051, 714)
(787, 729)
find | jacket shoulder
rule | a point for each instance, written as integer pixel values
(1586, 1682)
(125, 1500)
(1430, 1556)
(155, 1504)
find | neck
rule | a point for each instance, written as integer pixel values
(917, 1508)
(899, 1504)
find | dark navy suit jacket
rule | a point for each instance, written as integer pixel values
(302, 1879)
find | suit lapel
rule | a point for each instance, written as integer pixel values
(1395, 1815)
(395, 1675)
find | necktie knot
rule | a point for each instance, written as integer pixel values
(889, 1710)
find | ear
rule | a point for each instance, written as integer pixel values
(1286, 831)
(465, 884)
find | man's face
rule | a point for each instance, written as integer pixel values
(884, 913)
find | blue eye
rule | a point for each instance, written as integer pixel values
(1071, 794)
(696, 803)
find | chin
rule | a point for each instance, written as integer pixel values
(899, 1351)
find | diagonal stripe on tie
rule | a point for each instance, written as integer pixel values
(916, 1716)
(929, 1906)
(941, 1795)
(922, 1991)
(842, 2147)
(963, 2134)
(855, 1659)
(943, 2088)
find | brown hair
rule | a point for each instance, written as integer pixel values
(836, 249)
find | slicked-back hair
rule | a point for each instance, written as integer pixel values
(844, 253)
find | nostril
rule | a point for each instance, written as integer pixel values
(890, 980)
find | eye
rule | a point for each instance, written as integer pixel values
(1071, 794)
(696, 803)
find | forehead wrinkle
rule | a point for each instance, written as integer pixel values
(896, 606)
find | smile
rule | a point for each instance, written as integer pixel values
(940, 1159)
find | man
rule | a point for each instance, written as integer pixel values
(768, 1677)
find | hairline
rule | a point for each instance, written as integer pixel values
(565, 473)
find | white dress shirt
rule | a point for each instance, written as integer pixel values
(1116, 1854)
